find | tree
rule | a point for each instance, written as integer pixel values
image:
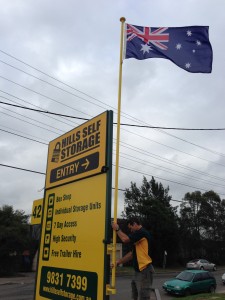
(211, 215)
(14, 237)
(151, 203)
(213, 222)
(202, 223)
(190, 225)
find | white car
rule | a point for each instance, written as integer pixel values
(223, 278)
(201, 264)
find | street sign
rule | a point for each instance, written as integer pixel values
(37, 212)
(73, 261)
(78, 154)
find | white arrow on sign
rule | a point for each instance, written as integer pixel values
(86, 164)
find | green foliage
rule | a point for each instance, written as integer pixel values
(151, 203)
(197, 232)
(14, 237)
(202, 226)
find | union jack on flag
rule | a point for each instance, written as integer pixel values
(188, 47)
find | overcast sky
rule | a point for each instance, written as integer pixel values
(78, 43)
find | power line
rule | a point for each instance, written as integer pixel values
(155, 155)
(55, 86)
(54, 78)
(133, 124)
(26, 117)
(22, 169)
(123, 124)
(170, 162)
(29, 122)
(153, 127)
(155, 165)
(122, 167)
(47, 112)
(122, 190)
(17, 168)
(148, 153)
(71, 122)
(177, 182)
(175, 172)
(46, 144)
(42, 95)
(23, 133)
(38, 70)
(161, 144)
(23, 137)
(145, 162)
(44, 111)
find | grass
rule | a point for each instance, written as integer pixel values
(215, 296)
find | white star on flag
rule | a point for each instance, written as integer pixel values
(145, 48)
(187, 65)
(178, 46)
(189, 33)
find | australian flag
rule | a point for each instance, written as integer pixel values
(188, 47)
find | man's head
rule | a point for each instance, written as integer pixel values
(134, 224)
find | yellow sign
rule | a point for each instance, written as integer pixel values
(73, 241)
(37, 212)
(73, 261)
(77, 154)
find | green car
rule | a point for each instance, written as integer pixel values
(191, 282)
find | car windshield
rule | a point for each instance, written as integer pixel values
(185, 276)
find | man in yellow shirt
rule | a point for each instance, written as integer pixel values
(140, 254)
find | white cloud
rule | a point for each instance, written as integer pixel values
(78, 43)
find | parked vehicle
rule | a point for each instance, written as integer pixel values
(223, 278)
(191, 282)
(200, 264)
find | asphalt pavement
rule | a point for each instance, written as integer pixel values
(20, 278)
(21, 286)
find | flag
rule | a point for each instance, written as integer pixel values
(188, 47)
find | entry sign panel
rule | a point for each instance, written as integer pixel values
(77, 154)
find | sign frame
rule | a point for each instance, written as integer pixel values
(104, 169)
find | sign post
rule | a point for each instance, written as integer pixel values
(73, 261)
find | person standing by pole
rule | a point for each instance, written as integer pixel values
(140, 254)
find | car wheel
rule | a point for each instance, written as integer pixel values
(212, 289)
(187, 292)
(214, 268)
(202, 268)
(168, 293)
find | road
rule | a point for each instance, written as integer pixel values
(123, 286)
(23, 288)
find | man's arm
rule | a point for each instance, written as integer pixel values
(125, 258)
(123, 236)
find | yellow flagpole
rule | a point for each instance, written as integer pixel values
(122, 20)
